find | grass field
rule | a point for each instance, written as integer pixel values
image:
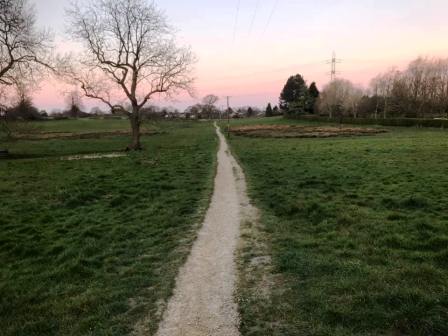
(358, 233)
(80, 125)
(92, 247)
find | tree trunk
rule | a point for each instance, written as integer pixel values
(135, 127)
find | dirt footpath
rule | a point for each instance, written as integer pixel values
(203, 302)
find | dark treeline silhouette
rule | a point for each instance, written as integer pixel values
(419, 91)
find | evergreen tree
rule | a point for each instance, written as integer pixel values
(314, 95)
(314, 91)
(269, 111)
(276, 111)
(295, 98)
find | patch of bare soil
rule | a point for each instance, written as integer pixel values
(69, 135)
(93, 156)
(293, 131)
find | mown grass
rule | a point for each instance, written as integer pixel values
(358, 229)
(92, 247)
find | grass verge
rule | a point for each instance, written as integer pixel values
(92, 247)
(358, 233)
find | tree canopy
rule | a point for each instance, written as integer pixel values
(295, 97)
(130, 54)
(314, 96)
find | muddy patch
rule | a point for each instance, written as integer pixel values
(293, 131)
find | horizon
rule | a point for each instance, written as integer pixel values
(248, 51)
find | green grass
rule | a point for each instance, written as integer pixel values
(22, 149)
(92, 247)
(358, 232)
(80, 125)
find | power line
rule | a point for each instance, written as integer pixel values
(292, 67)
(257, 6)
(236, 19)
(271, 15)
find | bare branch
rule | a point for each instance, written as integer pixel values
(129, 44)
(24, 50)
(130, 55)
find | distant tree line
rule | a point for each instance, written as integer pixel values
(419, 91)
(207, 109)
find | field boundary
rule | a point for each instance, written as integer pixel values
(399, 122)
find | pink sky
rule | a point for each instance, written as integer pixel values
(252, 59)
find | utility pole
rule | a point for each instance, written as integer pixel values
(334, 61)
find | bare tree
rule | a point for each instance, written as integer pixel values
(386, 84)
(194, 111)
(421, 90)
(23, 48)
(209, 107)
(210, 100)
(130, 55)
(375, 89)
(353, 99)
(23, 53)
(340, 97)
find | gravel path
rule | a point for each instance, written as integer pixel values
(203, 302)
